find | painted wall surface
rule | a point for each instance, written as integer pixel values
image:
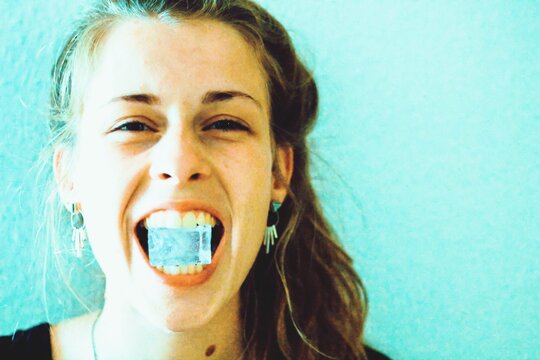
(427, 156)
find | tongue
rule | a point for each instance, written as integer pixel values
(180, 246)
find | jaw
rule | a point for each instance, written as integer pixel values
(176, 303)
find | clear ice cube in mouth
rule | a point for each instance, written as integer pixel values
(180, 246)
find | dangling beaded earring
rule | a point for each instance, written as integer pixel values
(79, 230)
(271, 234)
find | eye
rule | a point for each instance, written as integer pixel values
(132, 126)
(226, 125)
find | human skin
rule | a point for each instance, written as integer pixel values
(136, 156)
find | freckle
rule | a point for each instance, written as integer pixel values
(210, 350)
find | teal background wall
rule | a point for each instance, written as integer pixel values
(427, 159)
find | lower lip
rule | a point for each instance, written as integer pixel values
(185, 280)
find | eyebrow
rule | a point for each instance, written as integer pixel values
(209, 98)
(148, 99)
(218, 96)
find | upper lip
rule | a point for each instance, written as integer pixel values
(183, 206)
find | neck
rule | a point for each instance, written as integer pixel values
(122, 332)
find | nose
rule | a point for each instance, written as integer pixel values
(179, 158)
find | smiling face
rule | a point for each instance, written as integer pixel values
(175, 118)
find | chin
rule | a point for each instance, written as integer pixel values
(174, 321)
(175, 312)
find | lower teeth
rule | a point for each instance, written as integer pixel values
(181, 269)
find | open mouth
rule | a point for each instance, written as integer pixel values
(173, 221)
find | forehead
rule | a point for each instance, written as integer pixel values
(175, 62)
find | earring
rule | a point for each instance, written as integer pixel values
(79, 230)
(270, 235)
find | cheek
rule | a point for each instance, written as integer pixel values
(249, 175)
(102, 174)
(102, 184)
(97, 179)
(249, 182)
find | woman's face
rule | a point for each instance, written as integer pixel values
(175, 118)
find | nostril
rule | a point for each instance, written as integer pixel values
(164, 176)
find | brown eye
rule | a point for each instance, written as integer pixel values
(226, 125)
(135, 126)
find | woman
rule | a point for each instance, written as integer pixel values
(185, 122)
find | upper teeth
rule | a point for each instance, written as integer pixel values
(175, 219)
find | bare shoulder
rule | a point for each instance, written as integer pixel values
(71, 339)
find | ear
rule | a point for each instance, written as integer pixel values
(283, 170)
(61, 176)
